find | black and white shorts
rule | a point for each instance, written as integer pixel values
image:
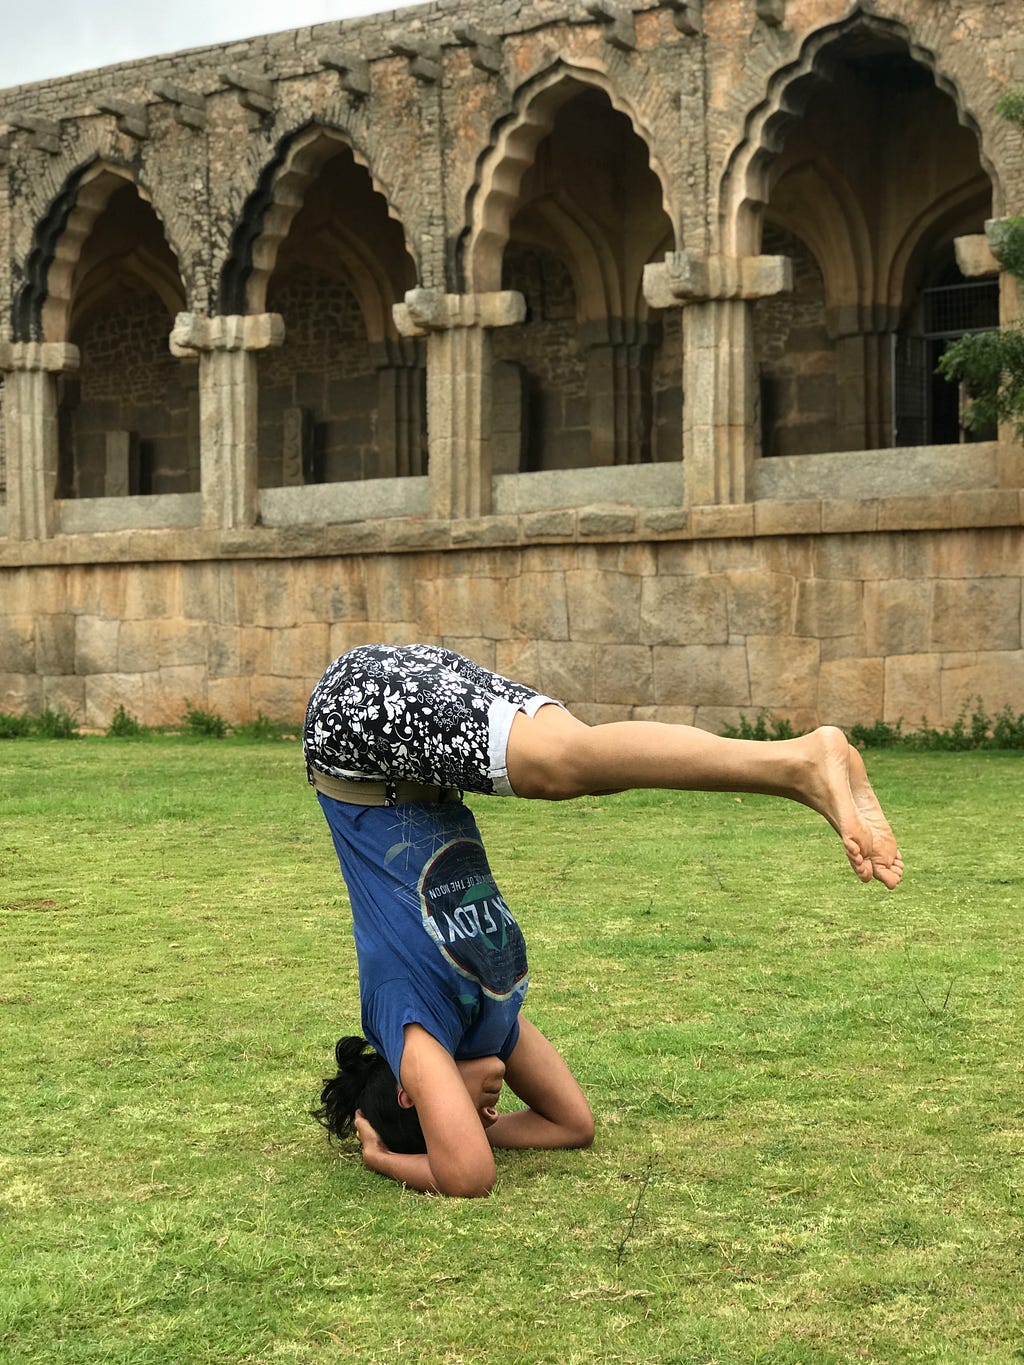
(415, 713)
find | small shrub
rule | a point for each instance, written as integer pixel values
(1008, 730)
(56, 724)
(124, 725)
(766, 726)
(972, 729)
(14, 727)
(260, 728)
(881, 735)
(208, 724)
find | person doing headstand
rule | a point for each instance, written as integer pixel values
(393, 737)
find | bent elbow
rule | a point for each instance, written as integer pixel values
(578, 1126)
(583, 1134)
(469, 1182)
(465, 1188)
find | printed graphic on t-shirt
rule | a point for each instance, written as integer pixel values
(465, 915)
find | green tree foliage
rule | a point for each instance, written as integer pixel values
(990, 365)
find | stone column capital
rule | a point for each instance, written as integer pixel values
(194, 333)
(982, 253)
(974, 255)
(50, 357)
(430, 310)
(689, 277)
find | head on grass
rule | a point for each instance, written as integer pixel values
(366, 1082)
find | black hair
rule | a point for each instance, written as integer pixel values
(366, 1082)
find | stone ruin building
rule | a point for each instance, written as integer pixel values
(594, 339)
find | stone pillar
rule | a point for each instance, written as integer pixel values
(864, 337)
(117, 472)
(226, 346)
(400, 402)
(719, 378)
(30, 433)
(619, 381)
(458, 389)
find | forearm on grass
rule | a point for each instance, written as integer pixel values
(414, 1170)
(411, 1169)
(526, 1128)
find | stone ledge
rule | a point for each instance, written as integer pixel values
(607, 521)
(556, 525)
(850, 514)
(987, 507)
(787, 518)
(727, 520)
(591, 524)
(931, 511)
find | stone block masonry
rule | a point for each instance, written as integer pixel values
(597, 342)
(850, 628)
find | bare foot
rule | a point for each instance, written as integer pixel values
(886, 859)
(841, 792)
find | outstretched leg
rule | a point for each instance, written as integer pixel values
(553, 756)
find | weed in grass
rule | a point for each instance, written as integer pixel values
(881, 735)
(56, 724)
(972, 729)
(262, 728)
(208, 724)
(764, 726)
(124, 725)
(977, 730)
(14, 727)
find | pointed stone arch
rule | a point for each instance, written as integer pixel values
(946, 217)
(743, 186)
(139, 267)
(42, 307)
(493, 198)
(271, 209)
(584, 250)
(837, 237)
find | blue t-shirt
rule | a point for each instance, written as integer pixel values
(435, 942)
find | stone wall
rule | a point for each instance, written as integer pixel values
(878, 620)
(536, 328)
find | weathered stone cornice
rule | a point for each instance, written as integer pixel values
(431, 310)
(687, 277)
(686, 15)
(255, 93)
(131, 118)
(771, 12)
(190, 107)
(484, 48)
(617, 19)
(424, 60)
(52, 357)
(44, 132)
(195, 332)
(353, 71)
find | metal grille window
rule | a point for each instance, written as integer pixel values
(953, 310)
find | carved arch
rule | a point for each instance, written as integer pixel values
(943, 219)
(42, 305)
(347, 258)
(139, 266)
(836, 234)
(272, 206)
(583, 250)
(743, 187)
(493, 198)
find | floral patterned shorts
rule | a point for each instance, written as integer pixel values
(415, 713)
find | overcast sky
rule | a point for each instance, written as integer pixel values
(61, 36)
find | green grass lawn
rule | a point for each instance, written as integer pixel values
(810, 1123)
